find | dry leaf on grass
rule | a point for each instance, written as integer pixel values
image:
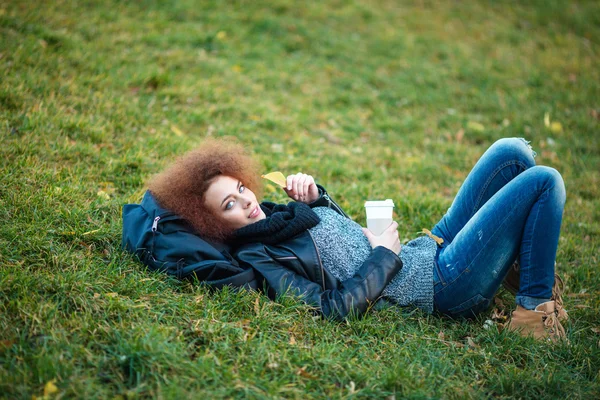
(437, 239)
(302, 372)
(50, 388)
(498, 315)
(499, 302)
(471, 343)
(177, 131)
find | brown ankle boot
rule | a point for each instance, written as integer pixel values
(511, 283)
(542, 322)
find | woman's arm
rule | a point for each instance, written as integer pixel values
(353, 296)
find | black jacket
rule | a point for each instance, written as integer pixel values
(294, 266)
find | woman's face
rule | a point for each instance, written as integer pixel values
(234, 203)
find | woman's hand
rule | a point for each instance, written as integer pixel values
(302, 188)
(388, 239)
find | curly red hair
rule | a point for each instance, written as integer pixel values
(182, 186)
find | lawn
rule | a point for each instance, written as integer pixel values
(376, 99)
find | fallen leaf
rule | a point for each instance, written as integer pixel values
(111, 294)
(103, 195)
(176, 131)
(556, 127)
(596, 330)
(576, 295)
(499, 302)
(437, 239)
(302, 372)
(441, 335)
(460, 134)
(221, 35)
(547, 120)
(96, 295)
(475, 126)
(292, 340)
(50, 388)
(276, 177)
(330, 136)
(471, 343)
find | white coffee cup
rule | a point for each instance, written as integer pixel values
(379, 215)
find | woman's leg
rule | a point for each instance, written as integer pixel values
(502, 162)
(523, 218)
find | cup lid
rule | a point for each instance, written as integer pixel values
(380, 203)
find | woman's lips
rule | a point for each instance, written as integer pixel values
(254, 213)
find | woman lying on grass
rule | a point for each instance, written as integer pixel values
(508, 208)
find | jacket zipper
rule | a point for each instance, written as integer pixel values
(334, 205)
(154, 229)
(155, 224)
(319, 257)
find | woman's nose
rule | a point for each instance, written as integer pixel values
(247, 202)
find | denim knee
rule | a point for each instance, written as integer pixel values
(518, 148)
(553, 179)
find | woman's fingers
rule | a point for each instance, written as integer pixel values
(393, 227)
(299, 186)
(300, 178)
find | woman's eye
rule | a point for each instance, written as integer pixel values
(242, 188)
(229, 205)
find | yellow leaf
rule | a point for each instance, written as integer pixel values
(176, 131)
(437, 239)
(103, 195)
(276, 177)
(50, 388)
(475, 126)
(292, 340)
(556, 127)
(547, 120)
(221, 35)
(236, 68)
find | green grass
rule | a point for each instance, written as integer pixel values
(368, 96)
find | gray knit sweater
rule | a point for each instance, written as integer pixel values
(343, 248)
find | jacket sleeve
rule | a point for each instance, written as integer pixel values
(353, 296)
(324, 200)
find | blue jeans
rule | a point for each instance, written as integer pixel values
(508, 208)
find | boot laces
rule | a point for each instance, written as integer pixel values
(557, 291)
(552, 323)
